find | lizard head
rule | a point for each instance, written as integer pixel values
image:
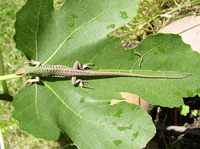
(21, 71)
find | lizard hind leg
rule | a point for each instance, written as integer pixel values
(35, 63)
(77, 82)
(78, 65)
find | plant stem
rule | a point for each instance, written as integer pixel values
(5, 96)
(9, 77)
(5, 88)
(171, 11)
(1, 140)
(183, 6)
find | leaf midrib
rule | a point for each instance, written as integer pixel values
(77, 29)
(71, 109)
(81, 117)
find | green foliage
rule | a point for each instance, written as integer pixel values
(194, 113)
(185, 109)
(85, 115)
(14, 138)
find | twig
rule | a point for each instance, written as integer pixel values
(189, 29)
(6, 97)
(180, 129)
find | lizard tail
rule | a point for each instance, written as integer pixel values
(125, 74)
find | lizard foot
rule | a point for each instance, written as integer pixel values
(79, 83)
(78, 65)
(35, 63)
(88, 66)
(31, 81)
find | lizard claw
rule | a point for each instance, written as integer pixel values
(88, 66)
(82, 85)
(79, 83)
(87, 87)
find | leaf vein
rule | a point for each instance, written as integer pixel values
(75, 30)
(71, 109)
(36, 33)
(36, 110)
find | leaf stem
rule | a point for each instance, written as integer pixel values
(6, 96)
(1, 140)
(9, 77)
(5, 88)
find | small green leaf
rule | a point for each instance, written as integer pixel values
(185, 109)
(194, 113)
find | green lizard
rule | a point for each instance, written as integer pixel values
(79, 70)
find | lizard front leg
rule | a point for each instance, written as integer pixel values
(31, 81)
(35, 63)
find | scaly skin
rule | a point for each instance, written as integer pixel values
(61, 71)
(78, 70)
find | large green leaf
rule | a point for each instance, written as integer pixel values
(55, 36)
(90, 123)
(78, 31)
(62, 37)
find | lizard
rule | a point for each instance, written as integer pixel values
(78, 70)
